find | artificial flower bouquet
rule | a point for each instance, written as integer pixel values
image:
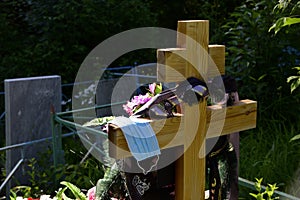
(138, 101)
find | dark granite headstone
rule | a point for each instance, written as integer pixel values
(27, 105)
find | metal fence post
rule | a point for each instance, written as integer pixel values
(58, 153)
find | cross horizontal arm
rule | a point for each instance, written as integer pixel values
(170, 132)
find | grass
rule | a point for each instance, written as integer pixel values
(267, 152)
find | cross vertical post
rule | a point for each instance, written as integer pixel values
(190, 183)
(193, 57)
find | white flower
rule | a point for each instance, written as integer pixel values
(46, 197)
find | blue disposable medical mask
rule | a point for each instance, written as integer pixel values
(140, 137)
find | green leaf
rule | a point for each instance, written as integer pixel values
(296, 137)
(158, 88)
(75, 190)
(282, 5)
(254, 195)
(258, 184)
(14, 195)
(295, 84)
(60, 193)
(260, 196)
(282, 22)
(261, 77)
(291, 78)
(273, 187)
(269, 192)
(296, 7)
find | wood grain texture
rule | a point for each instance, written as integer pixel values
(172, 63)
(191, 184)
(197, 48)
(239, 117)
(170, 132)
(198, 30)
(216, 63)
(190, 173)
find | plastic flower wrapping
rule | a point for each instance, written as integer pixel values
(138, 101)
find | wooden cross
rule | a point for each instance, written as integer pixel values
(176, 131)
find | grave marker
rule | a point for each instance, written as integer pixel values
(27, 106)
(190, 168)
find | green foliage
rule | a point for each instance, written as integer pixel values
(294, 80)
(53, 37)
(82, 174)
(267, 194)
(216, 11)
(286, 7)
(248, 44)
(260, 61)
(44, 179)
(61, 193)
(110, 185)
(267, 152)
(292, 10)
(296, 137)
(74, 189)
(26, 192)
(284, 21)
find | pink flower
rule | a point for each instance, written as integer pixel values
(129, 107)
(136, 102)
(152, 88)
(141, 99)
(91, 194)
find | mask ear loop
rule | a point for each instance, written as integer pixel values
(145, 172)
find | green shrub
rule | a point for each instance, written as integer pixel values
(262, 62)
(53, 37)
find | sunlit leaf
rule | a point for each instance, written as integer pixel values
(295, 84)
(60, 193)
(282, 22)
(297, 137)
(257, 184)
(254, 195)
(75, 190)
(296, 8)
(297, 68)
(289, 79)
(261, 77)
